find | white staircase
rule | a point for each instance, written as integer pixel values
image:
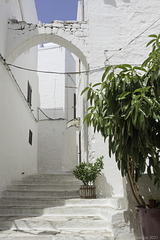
(48, 207)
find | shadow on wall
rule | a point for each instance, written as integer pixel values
(110, 2)
(131, 214)
(113, 2)
(104, 189)
(147, 188)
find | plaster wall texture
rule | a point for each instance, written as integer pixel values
(52, 86)
(82, 82)
(117, 33)
(23, 77)
(17, 156)
(15, 9)
(57, 145)
(121, 21)
(71, 35)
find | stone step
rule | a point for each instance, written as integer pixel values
(61, 177)
(48, 181)
(64, 235)
(47, 206)
(55, 223)
(60, 211)
(113, 203)
(45, 179)
(44, 187)
(44, 193)
(31, 202)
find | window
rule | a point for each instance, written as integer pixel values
(29, 94)
(30, 137)
(74, 106)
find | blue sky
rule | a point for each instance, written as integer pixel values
(50, 10)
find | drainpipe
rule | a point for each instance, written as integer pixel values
(87, 127)
(82, 10)
(80, 152)
(21, 10)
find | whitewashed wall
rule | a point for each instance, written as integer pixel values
(118, 33)
(56, 144)
(17, 156)
(114, 37)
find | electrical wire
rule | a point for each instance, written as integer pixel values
(139, 35)
(49, 118)
(86, 71)
(17, 85)
(25, 99)
(8, 65)
(42, 71)
(71, 79)
(91, 70)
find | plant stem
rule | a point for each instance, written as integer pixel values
(135, 190)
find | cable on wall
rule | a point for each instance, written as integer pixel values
(49, 118)
(17, 85)
(139, 35)
(91, 70)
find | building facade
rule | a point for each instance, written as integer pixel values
(19, 100)
(56, 143)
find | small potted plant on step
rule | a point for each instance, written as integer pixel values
(87, 173)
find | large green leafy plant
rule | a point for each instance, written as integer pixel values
(88, 172)
(125, 108)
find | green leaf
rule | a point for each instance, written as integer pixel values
(141, 120)
(121, 67)
(153, 36)
(127, 66)
(90, 108)
(139, 68)
(123, 96)
(97, 84)
(119, 165)
(135, 115)
(89, 93)
(150, 42)
(149, 172)
(145, 63)
(84, 90)
(148, 100)
(138, 90)
(106, 72)
(127, 79)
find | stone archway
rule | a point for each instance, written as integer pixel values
(70, 35)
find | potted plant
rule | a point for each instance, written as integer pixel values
(87, 173)
(125, 109)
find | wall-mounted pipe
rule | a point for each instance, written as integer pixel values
(82, 10)
(21, 10)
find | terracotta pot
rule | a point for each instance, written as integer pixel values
(88, 191)
(150, 223)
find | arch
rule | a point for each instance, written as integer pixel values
(22, 37)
